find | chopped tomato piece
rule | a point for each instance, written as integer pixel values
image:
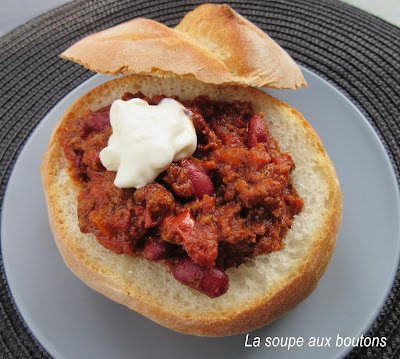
(199, 241)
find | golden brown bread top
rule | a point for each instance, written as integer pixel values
(213, 44)
(249, 53)
(143, 46)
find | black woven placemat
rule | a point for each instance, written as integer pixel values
(355, 51)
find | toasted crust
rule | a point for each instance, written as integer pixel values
(213, 44)
(143, 46)
(249, 53)
(261, 289)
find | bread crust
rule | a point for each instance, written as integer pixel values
(227, 315)
(213, 44)
(248, 52)
(144, 46)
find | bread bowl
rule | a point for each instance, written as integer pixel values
(262, 288)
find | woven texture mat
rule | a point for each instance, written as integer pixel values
(355, 51)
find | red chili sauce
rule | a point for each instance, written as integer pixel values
(232, 199)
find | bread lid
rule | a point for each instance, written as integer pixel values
(212, 43)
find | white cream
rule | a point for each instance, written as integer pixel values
(146, 139)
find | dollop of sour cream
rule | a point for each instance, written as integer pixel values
(146, 139)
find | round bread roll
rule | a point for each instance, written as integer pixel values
(262, 288)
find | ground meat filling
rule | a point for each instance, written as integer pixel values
(232, 199)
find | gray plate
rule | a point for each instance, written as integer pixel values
(72, 321)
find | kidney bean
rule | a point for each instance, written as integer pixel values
(99, 120)
(210, 281)
(155, 249)
(258, 131)
(201, 182)
(78, 161)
